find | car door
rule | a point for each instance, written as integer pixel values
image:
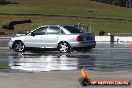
(36, 37)
(52, 37)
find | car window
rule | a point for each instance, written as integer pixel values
(73, 29)
(62, 32)
(40, 31)
(53, 30)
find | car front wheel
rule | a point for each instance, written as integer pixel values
(18, 46)
(64, 47)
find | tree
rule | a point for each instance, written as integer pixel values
(2, 1)
(122, 3)
(129, 3)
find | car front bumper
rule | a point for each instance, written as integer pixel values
(10, 44)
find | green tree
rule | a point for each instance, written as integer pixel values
(122, 3)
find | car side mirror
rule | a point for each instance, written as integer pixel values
(32, 34)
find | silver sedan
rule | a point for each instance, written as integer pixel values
(63, 38)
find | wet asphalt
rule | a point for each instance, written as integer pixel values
(105, 57)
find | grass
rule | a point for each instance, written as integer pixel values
(3, 65)
(79, 8)
(66, 7)
(1, 47)
(3, 40)
(112, 26)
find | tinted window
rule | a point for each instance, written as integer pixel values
(73, 29)
(62, 32)
(40, 31)
(53, 30)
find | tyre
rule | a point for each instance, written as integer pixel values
(84, 81)
(64, 47)
(18, 46)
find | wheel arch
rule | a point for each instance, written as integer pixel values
(18, 41)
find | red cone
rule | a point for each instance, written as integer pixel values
(131, 45)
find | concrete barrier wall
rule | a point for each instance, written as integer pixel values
(102, 38)
(123, 39)
(116, 39)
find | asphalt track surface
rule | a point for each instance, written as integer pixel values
(54, 70)
(105, 57)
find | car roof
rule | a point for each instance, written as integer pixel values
(50, 25)
(56, 25)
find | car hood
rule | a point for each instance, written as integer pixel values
(20, 34)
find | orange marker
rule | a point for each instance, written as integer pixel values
(131, 45)
(84, 73)
(84, 80)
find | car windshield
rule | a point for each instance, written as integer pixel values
(73, 29)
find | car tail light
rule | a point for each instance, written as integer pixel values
(79, 38)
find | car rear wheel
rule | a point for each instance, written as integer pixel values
(64, 47)
(18, 46)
